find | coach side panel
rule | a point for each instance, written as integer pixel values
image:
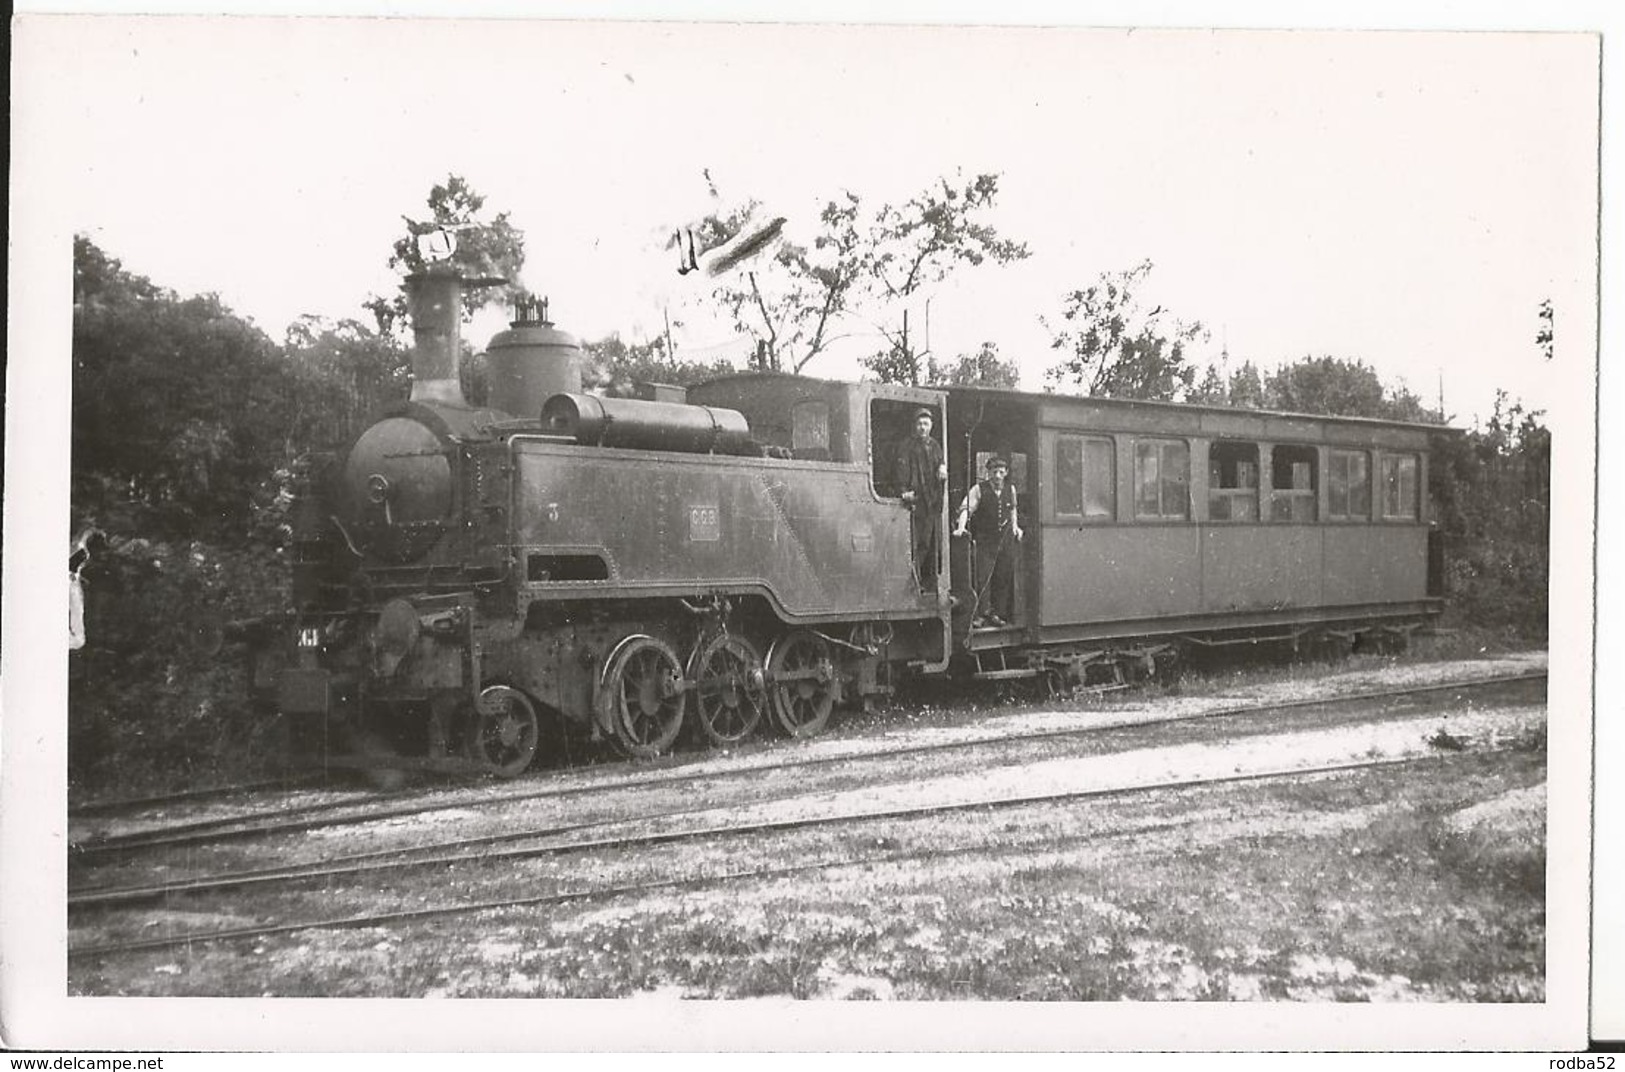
(1101, 561)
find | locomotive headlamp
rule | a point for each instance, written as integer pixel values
(378, 488)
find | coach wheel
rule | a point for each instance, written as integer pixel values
(1168, 666)
(502, 732)
(1332, 647)
(804, 683)
(643, 690)
(729, 694)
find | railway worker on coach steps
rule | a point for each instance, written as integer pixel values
(922, 473)
(989, 511)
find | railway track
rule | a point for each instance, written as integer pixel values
(189, 796)
(462, 850)
(336, 813)
(726, 830)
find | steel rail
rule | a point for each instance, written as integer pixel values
(313, 817)
(98, 807)
(352, 863)
(916, 811)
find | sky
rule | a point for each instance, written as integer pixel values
(1405, 199)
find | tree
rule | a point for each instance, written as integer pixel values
(859, 262)
(791, 301)
(180, 407)
(344, 373)
(1212, 391)
(1114, 349)
(1243, 389)
(1247, 388)
(184, 422)
(919, 243)
(1545, 333)
(615, 368)
(484, 248)
(1345, 388)
(984, 368)
(1492, 498)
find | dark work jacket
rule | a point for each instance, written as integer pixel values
(917, 467)
(993, 511)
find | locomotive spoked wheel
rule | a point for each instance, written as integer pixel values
(804, 686)
(502, 732)
(729, 693)
(643, 686)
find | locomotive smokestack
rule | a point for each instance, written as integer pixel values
(434, 299)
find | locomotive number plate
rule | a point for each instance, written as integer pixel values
(310, 638)
(704, 524)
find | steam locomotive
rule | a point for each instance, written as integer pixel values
(468, 580)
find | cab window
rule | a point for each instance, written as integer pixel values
(809, 429)
(891, 423)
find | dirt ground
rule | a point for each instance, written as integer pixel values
(1416, 882)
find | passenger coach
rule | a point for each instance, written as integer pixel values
(1151, 519)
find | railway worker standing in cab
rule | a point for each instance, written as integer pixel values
(989, 512)
(921, 473)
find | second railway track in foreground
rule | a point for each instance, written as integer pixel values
(707, 879)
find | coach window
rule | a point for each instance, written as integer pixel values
(1348, 485)
(1162, 479)
(1399, 486)
(1232, 480)
(1293, 483)
(1085, 478)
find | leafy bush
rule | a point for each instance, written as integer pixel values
(1492, 499)
(151, 707)
(186, 423)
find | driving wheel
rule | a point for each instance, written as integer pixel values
(729, 693)
(803, 683)
(643, 689)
